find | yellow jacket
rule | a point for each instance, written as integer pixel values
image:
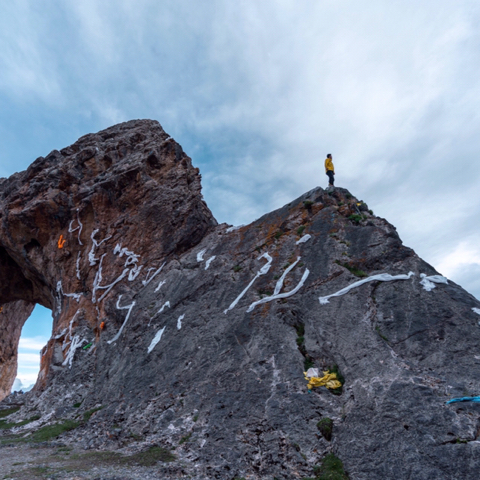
(329, 165)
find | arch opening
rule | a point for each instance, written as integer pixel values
(35, 334)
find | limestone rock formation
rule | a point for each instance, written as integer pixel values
(195, 336)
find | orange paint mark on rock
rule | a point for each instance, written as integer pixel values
(102, 325)
(61, 242)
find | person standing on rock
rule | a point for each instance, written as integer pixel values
(329, 170)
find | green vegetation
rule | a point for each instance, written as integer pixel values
(195, 418)
(331, 469)
(258, 248)
(356, 271)
(4, 425)
(150, 457)
(186, 438)
(51, 431)
(300, 229)
(237, 268)
(77, 405)
(355, 218)
(278, 234)
(8, 411)
(308, 362)
(265, 293)
(89, 413)
(147, 458)
(45, 433)
(135, 436)
(370, 212)
(325, 425)
(307, 203)
(377, 329)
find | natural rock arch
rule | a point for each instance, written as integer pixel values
(131, 183)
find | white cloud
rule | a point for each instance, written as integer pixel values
(29, 359)
(35, 343)
(28, 68)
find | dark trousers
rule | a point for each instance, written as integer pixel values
(331, 177)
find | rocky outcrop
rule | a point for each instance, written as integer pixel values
(194, 336)
(130, 187)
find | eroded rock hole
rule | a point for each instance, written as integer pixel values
(36, 332)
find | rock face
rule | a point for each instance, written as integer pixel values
(200, 333)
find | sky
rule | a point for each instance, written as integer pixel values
(257, 93)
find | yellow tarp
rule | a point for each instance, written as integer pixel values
(328, 380)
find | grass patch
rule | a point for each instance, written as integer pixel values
(278, 234)
(186, 438)
(258, 248)
(330, 469)
(307, 203)
(300, 229)
(51, 431)
(237, 268)
(355, 218)
(356, 271)
(147, 458)
(89, 413)
(151, 456)
(265, 293)
(4, 425)
(43, 434)
(8, 411)
(325, 425)
(308, 362)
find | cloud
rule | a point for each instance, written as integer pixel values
(29, 358)
(36, 343)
